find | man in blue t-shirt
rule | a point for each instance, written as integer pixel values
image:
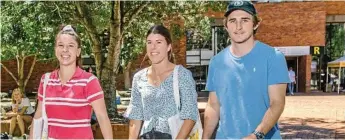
(247, 81)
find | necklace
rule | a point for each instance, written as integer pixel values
(157, 79)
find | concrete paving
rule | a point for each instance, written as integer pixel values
(310, 116)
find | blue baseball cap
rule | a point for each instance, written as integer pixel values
(244, 5)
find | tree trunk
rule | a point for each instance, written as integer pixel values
(20, 64)
(82, 15)
(9, 72)
(109, 92)
(105, 69)
(127, 76)
(110, 67)
(21, 86)
(30, 72)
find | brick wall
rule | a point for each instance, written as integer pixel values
(41, 67)
(299, 24)
(335, 7)
(304, 76)
(120, 131)
(293, 26)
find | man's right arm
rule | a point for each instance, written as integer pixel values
(211, 117)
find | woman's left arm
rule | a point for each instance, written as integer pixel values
(102, 117)
(185, 129)
(95, 96)
(189, 104)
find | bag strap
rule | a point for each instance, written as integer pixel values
(176, 89)
(45, 82)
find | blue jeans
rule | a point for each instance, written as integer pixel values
(153, 134)
(291, 87)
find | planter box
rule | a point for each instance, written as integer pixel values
(120, 131)
(5, 127)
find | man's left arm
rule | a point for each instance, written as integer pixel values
(278, 77)
(277, 103)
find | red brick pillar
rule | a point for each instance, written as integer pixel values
(304, 73)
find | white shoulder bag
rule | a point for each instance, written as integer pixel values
(40, 130)
(175, 122)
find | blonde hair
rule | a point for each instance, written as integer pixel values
(14, 91)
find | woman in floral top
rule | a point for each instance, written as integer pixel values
(152, 101)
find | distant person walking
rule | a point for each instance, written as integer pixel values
(292, 76)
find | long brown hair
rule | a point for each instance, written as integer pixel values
(20, 93)
(161, 30)
(70, 30)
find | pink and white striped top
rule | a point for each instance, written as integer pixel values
(68, 106)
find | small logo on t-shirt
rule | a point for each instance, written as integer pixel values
(254, 69)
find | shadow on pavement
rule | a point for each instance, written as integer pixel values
(311, 128)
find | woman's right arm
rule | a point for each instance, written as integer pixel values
(38, 114)
(38, 111)
(134, 110)
(134, 128)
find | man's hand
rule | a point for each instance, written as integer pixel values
(251, 136)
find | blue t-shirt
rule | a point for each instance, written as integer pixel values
(241, 85)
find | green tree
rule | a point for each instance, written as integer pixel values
(114, 30)
(28, 30)
(335, 44)
(24, 33)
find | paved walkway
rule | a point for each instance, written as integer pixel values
(311, 116)
(314, 116)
